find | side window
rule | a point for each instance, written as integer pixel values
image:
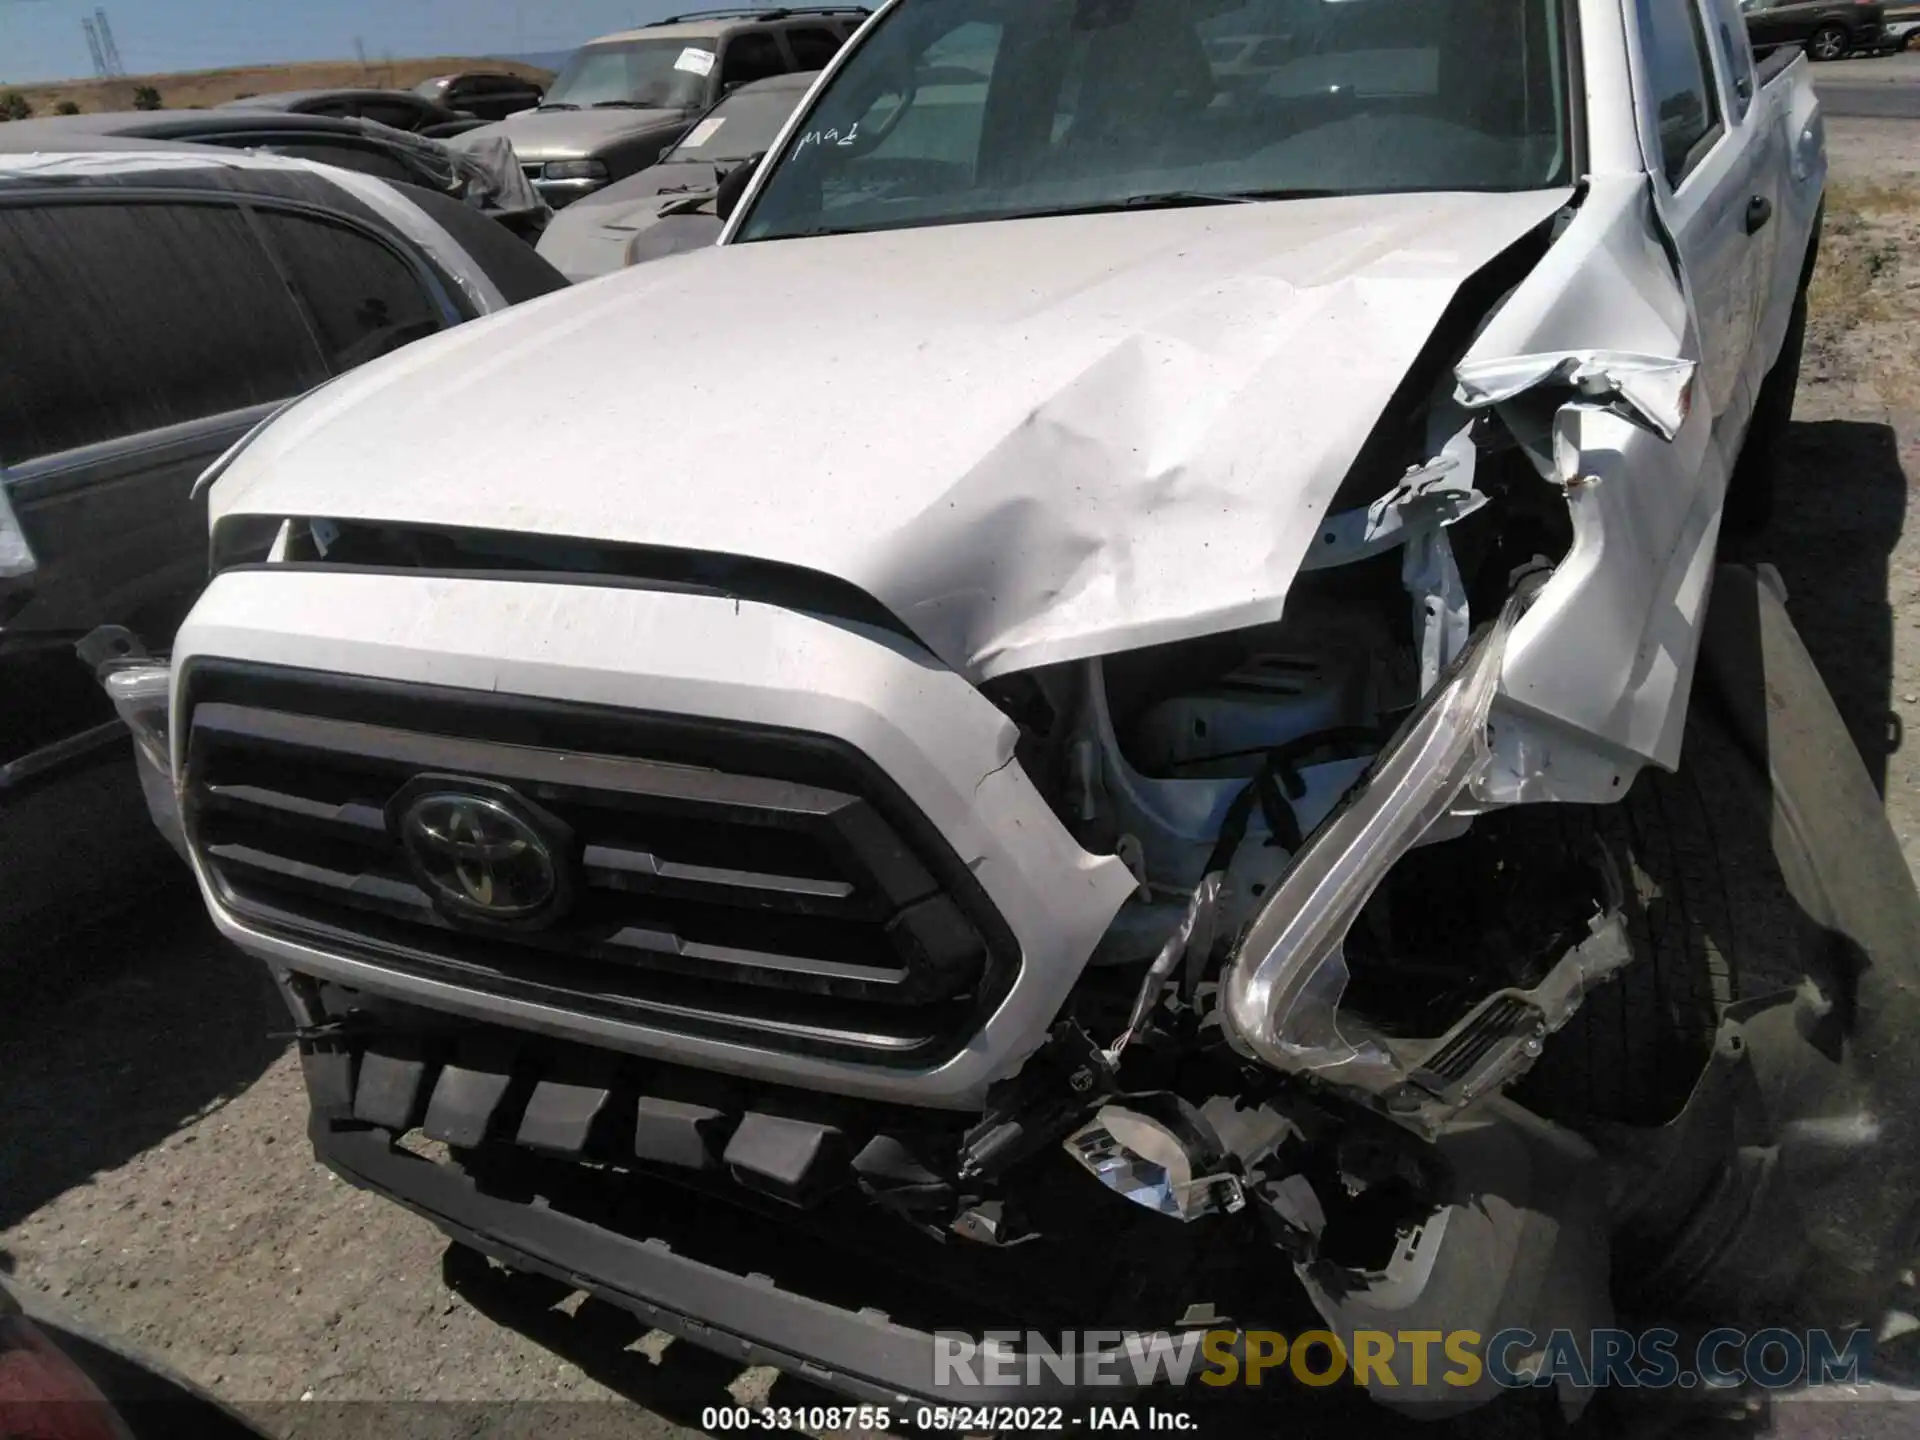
(120, 319)
(365, 301)
(1737, 47)
(752, 56)
(1680, 78)
(812, 48)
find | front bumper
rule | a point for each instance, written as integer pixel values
(861, 1353)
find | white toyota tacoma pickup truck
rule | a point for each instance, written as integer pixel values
(1106, 715)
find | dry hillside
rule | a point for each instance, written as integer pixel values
(188, 89)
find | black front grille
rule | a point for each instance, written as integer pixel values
(731, 881)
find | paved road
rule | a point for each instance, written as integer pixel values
(1887, 88)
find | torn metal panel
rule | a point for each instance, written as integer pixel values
(1633, 588)
(1094, 433)
(1607, 650)
(1533, 760)
(1658, 390)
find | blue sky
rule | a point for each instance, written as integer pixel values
(41, 39)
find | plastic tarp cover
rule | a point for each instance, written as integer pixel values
(485, 172)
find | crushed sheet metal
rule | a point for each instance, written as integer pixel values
(1658, 390)
(1437, 493)
(1101, 432)
(1605, 655)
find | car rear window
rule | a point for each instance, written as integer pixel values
(364, 299)
(516, 271)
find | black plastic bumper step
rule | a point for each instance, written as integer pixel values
(792, 1160)
(392, 1089)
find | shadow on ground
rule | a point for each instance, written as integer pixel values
(1838, 517)
(122, 1013)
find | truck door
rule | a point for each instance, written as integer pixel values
(1760, 133)
(1704, 176)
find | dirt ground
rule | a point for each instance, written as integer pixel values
(154, 1178)
(193, 89)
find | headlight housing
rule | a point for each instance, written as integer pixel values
(575, 170)
(1285, 980)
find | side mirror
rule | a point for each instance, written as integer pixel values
(726, 198)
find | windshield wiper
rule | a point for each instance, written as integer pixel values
(623, 105)
(1172, 200)
(556, 105)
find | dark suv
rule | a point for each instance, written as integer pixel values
(1828, 29)
(623, 99)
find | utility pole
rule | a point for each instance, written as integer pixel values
(108, 49)
(93, 47)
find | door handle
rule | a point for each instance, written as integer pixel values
(1759, 212)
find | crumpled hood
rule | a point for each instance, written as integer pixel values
(572, 134)
(1032, 441)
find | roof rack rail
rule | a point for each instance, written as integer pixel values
(748, 12)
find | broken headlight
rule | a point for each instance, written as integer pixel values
(1286, 977)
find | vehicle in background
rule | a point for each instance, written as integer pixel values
(1827, 29)
(484, 94)
(397, 109)
(1902, 28)
(668, 207)
(623, 99)
(158, 303)
(484, 176)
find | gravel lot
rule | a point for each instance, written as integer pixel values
(154, 1177)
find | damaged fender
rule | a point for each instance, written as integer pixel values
(1592, 366)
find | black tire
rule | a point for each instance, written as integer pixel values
(1829, 42)
(1755, 483)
